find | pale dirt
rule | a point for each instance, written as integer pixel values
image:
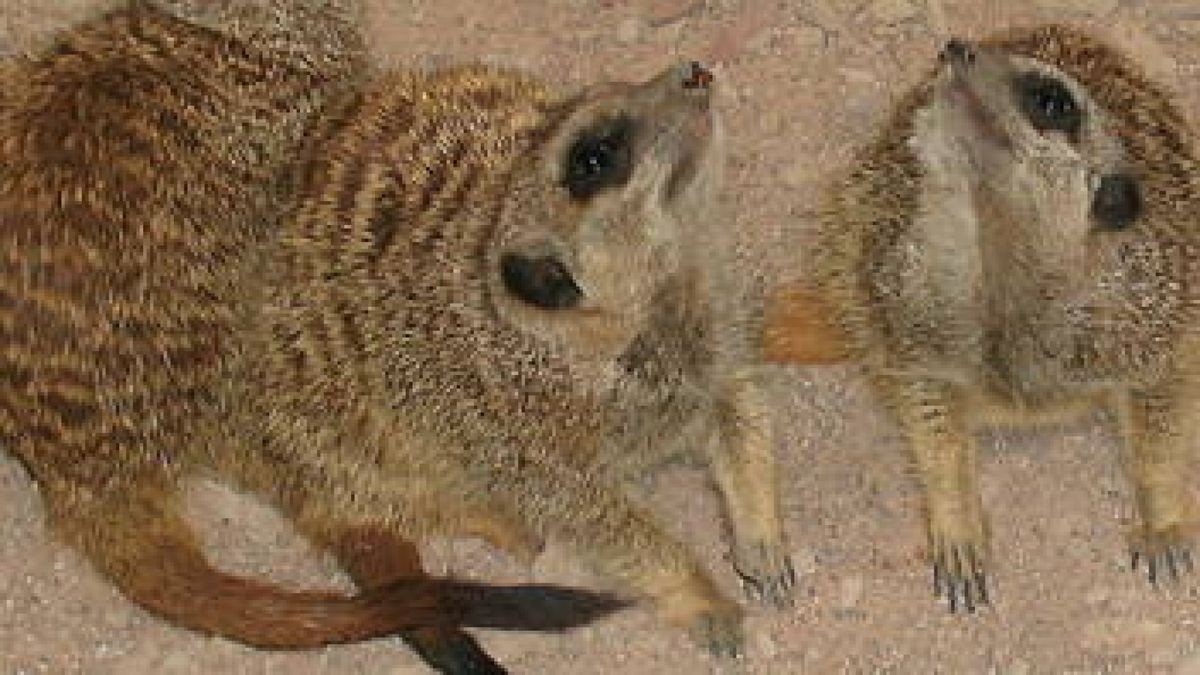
(803, 82)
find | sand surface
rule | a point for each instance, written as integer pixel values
(802, 82)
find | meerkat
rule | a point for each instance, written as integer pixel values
(147, 155)
(494, 305)
(1022, 241)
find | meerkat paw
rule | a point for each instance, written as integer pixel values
(713, 622)
(957, 550)
(1165, 553)
(766, 573)
(958, 574)
(719, 632)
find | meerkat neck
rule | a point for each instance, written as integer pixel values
(971, 250)
(947, 221)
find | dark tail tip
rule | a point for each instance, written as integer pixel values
(535, 607)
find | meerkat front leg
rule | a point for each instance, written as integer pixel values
(742, 464)
(934, 417)
(626, 542)
(1153, 424)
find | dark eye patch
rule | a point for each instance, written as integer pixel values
(1048, 104)
(1117, 202)
(542, 282)
(599, 158)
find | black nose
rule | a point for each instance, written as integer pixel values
(957, 51)
(696, 76)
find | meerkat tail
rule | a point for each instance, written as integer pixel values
(147, 550)
(799, 328)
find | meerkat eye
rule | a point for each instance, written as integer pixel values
(599, 158)
(542, 282)
(1048, 104)
(1117, 201)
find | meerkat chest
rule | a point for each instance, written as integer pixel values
(669, 378)
(932, 273)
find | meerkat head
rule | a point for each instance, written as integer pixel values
(596, 220)
(1045, 151)
(1079, 174)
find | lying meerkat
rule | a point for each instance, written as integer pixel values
(1023, 239)
(495, 304)
(146, 157)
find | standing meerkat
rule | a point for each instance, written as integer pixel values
(146, 156)
(1023, 241)
(495, 304)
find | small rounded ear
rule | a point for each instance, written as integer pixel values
(1117, 202)
(542, 282)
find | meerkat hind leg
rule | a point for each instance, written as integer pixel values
(374, 558)
(742, 462)
(935, 421)
(501, 529)
(1159, 449)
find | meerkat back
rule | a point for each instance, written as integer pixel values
(1020, 243)
(146, 154)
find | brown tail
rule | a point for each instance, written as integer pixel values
(799, 328)
(187, 590)
(155, 563)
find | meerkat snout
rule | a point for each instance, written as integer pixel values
(957, 51)
(995, 86)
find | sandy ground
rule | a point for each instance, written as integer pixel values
(803, 81)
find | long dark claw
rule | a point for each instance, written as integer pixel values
(958, 575)
(791, 573)
(767, 574)
(1172, 566)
